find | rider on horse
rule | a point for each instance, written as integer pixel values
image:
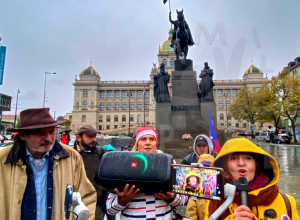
(176, 24)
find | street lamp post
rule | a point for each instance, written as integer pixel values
(45, 87)
(226, 95)
(16, 108)
(129, 94)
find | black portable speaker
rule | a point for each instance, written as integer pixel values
(150, 172)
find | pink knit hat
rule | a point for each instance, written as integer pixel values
(144, 131)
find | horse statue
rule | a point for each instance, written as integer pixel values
(182, 37)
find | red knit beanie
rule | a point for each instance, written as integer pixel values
(144, 131)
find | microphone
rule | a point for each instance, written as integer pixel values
(243, 188)
(68, 201)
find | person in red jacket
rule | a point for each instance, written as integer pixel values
(64, 138)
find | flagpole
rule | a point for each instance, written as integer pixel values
(170, 5)
(144, 105)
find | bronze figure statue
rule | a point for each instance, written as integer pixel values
(206, 84)
(182, 37)
(161, 80)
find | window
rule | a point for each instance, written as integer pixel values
(244, 125)
(83, 119)
(228, 117)
(220, 104)
(124, 94)
(123, 117)
(139, 106)
(116, 118)
(227, 104)
(213, 92)
(102, 106)
(109, 94)
(146, 117)
(132, 93)
(109, 105)
(220, 92)
(139, 118)
(132, 105)
(115, 126)
(226, 92)
(222, 124)
(123, 126)
(70, 117)
(100, 127)
(84, 105)
(117, 105)
(233, 92)
(237, 125)
(117, 94)
(262, 124)
(85, 92)
(140, 93)
(172, 63)
(164, 61)
(147, 93)
(100, 118)
(102, 94)
(107, 118)
(107, 127)
(147, 105)
(221, 117)
(131, 117)
(124, 107)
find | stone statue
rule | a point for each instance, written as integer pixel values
(182, 37)
(161, 91)
(206, 84)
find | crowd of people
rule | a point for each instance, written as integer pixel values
(35, 169)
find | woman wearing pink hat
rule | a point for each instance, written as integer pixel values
(133, 204)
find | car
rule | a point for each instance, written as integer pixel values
(263, 136)
(71, 142)
(100, 136)
(6, 145)
(122, 136)
(281, 138)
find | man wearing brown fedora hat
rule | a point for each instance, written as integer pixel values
(34, 171)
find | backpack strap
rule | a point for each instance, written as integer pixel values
(287, 204)
(100, 151)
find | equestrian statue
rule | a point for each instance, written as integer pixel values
(182, 37)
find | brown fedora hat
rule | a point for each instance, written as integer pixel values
(36, 118)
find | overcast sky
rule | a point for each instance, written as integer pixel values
(122, 37)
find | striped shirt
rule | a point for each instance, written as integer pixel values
(144, 207)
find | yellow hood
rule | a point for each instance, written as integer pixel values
(192, 173)
(267, 162)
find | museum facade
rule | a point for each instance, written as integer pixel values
(115, 106)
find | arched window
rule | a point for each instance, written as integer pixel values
(172, 63)
(100, 118)
(117, 105)
(227, 104)
(164, 61)
(147, 105)
(139, 106)
(109, 105)
(139, 118)
(132, 105)
(131, 117)
(84, 105)
(107, 118)
(123, 117)
(124, 105)
(228, 117)
(146, 118)
(116, 118)
(102, 106)
(220, 103)
(222, 117)
(83, 119)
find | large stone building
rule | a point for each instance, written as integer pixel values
(107, 105)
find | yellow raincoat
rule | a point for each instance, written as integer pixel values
(244, 145)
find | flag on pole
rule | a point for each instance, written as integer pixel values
(213, 136)
(165, 1)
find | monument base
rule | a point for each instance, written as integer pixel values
(163, 122)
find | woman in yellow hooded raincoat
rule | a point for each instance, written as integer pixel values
(240, 157)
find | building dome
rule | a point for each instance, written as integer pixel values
(252, 69)
(89, 71)
(166, 45)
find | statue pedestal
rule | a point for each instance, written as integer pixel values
(209, 107)
(163, 122)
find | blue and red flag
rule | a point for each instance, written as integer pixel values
(213, 136)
